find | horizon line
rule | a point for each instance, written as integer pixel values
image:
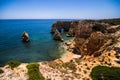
(59, 18)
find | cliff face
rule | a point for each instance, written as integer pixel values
(89, 35)
(73, 28)
(59, 25)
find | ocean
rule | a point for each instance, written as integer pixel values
(41, 47)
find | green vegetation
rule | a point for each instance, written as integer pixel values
(105, 73)
(1, 71)
(99, 27)
(13, 64)
(111, 21)
(115, 21)
(89, 20)
(33, 72)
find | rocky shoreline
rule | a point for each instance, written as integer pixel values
(95, 43)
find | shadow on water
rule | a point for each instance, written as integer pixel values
(26, 44)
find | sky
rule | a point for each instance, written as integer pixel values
(59, 9)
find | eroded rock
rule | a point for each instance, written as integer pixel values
(25, 37)
(90, 35)
(57, 36)
(59, 25)
(96, 41)
(73, 27)
(89, 38)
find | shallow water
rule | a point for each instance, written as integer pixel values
(40, 48)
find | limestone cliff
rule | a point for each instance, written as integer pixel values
(59, 25)
(90, 36)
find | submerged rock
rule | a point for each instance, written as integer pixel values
(68, 35)
(25, 37)
(57, 36)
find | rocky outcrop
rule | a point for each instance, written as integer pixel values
(113, 29)
(90, 45)
(95, 42)
(90, 36)
(73, 27)
(85, 27)
(60, 25)
(102, 27)
(57, 36)
(18, 73)
(25, 37)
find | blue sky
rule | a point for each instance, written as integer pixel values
(52, 9)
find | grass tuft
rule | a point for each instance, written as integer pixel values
(1, 71)
(33, 72)
(13, 64)
(105, 73)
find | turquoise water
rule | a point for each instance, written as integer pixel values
(40, 48)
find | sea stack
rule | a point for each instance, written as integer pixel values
(57, 36)
(25, 37)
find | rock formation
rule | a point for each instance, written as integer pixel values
(86, 40)
(73, 27)
(95, 42)
(90, 36)
(57, 36)
(113, 29)
(25, 37)
(102, 27)
(59, 25)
